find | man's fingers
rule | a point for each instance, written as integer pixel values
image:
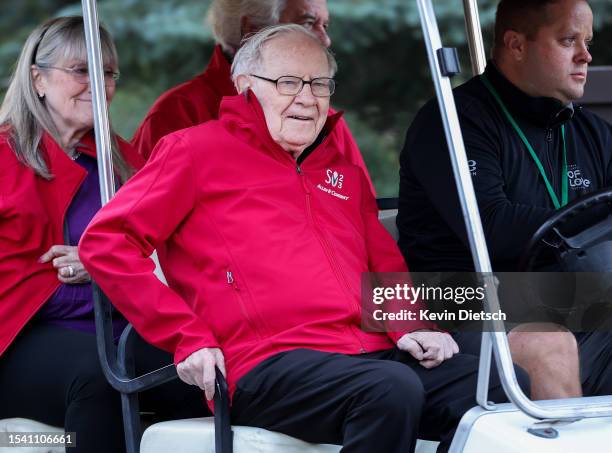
(411, 346)
(437, 347)
(454, 345)
(451, 346)
(429, 363)
(431, 347)
(184, 375)
(433, 357)
(440, 354)
(220, 363)
(448, 352)
(208, 376)
(431, 351)
(199, 369)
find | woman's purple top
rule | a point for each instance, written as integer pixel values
(72, 305)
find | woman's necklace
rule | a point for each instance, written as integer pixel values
(73, 154)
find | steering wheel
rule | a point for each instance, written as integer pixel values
(579, 235)
(579, 238)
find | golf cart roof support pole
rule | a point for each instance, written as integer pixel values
(479, 60)
(562, 409)
(474, 36)
(98, 94)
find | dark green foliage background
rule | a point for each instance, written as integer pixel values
(383, 78)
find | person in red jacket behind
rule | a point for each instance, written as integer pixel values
(263, 252)
(197, 100)
(49, 191)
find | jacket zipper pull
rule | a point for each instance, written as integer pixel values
(549, 134)
(303, 179)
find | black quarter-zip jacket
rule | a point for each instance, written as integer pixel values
(511, 194)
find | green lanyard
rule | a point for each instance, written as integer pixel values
(518, 130)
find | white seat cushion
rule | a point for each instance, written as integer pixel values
(198, 435)
(22, 425)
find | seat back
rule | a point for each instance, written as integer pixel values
(387, 218)
(387, 214)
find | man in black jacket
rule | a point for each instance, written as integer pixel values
(530, 151)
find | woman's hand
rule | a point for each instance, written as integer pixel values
(66, 260)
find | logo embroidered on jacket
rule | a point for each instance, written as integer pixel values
(576, 179)
(472, 166)
(334, 178)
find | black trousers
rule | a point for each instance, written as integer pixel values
(594, 349)
(376, 402)
(52, 374)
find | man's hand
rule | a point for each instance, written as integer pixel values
(430, 348)
(66, 260)
(199, 369)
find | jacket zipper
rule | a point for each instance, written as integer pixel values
(232, 282)
(325, 246)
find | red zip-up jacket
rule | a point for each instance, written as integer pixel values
(197, 101)
(261, 255)
(32, 211)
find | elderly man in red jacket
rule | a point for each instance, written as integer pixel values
(197, 100)
(263, 252)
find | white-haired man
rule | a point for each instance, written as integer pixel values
(264, 255)
(197, 100)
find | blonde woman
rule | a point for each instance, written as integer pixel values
(49, 191)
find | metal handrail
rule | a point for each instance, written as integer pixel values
(563, 409)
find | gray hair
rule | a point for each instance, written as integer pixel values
(248, 59)
(23, 115)
(224, 19)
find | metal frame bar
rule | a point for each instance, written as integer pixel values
(474, 36)
(562, 409)
(98, 94)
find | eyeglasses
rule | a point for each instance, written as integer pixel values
(322, 87)
(81, 74)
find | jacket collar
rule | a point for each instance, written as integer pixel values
(219, 70)
(243, 113)
(87, 145)
(543, 111)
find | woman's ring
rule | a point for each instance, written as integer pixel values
(71, 271)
